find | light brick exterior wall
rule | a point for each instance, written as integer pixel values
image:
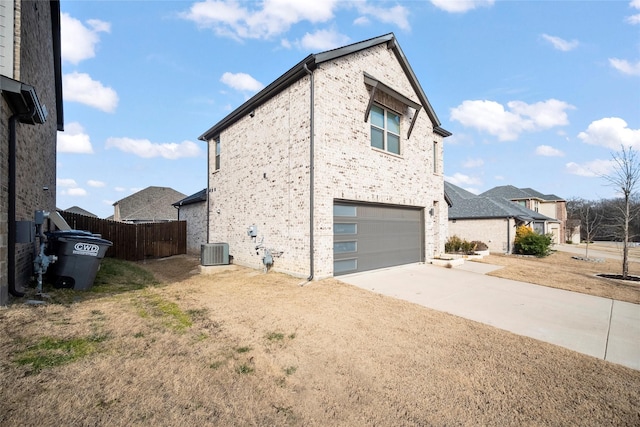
(264, 174)
(35, 144)
(196, 216)
(495, 233)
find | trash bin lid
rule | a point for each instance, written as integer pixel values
(66, 233)
(88, 238)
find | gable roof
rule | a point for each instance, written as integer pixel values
(309, 64)
(545, 197)
(150, 204)
(513, 193)
(466, 205)
(200, 196)
(508, 192)
(78, 210)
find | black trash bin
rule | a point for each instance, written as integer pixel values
(79, 255)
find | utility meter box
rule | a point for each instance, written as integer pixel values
(252, 231)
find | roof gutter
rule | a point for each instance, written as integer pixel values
(311, 174)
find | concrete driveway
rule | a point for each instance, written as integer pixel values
(600, 327)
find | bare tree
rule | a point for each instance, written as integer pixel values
(624, 178)
(590, 219)
(588, 215)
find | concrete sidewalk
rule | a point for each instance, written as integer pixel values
(596, 326)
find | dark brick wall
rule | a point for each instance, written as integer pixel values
(36, 144)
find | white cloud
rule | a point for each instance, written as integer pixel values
(362, 20)
(493, 118)
(147, 149)
(74, 140)
(285, 43)
(78, 42)
(80, 87)
(625, 67)
(548, 151)
(120, 189)
(396, 15)
(594, 168)
(461, 6)
(257, 20)
(241, 81)
(76, 192)
(323, 40)
(66, 182)
(473, 163)
(96, 184)
(633, 19)
(461, 180)
(561, 44)
(612, 133)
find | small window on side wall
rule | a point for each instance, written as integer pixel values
(217, 141)
(385, 129)
(435, 157)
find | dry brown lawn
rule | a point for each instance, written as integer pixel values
(561, 270)
(242, 348)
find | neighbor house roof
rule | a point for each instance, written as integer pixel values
(200, 196)
(513, 193)
(466, 205)
(78, 210)
(545, 197)
(309, 64)
(150, 204)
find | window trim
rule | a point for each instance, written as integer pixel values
(378, 85)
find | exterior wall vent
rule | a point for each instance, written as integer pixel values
(214, 254)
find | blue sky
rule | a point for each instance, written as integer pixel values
(536, 93)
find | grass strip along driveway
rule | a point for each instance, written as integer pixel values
(158, 344)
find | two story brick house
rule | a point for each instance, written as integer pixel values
(31, 113)
(337, 166)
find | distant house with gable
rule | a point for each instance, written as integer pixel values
(153, 204)
(491, 219)
(193, 210)
(549, 205)
(78, 210)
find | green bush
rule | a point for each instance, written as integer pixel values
(533, 244)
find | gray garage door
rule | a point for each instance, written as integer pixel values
(366, 237)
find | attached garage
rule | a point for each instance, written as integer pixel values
(370, 236)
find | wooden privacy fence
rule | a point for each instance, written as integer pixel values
(134, 242)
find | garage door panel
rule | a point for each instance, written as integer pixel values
(367, 237)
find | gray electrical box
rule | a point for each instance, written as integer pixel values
(25, 231)
(252, 231)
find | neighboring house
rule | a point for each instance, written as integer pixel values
(78, 210)
(153, 204)
(547, 204)
(193, 210)
(490, 219)
(336, 166)
(30, 116)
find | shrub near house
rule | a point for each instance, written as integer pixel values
(460, 246)
(528, 242)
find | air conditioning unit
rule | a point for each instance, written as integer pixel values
(214, 254)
